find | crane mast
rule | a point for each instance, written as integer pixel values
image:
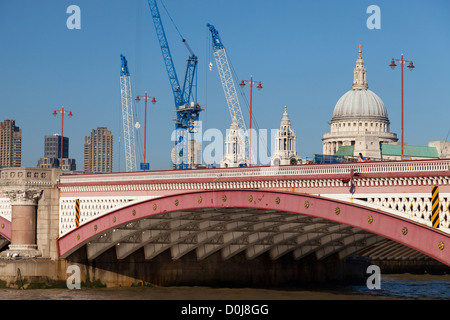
(185, 98)
(127, 116)
(226, 78)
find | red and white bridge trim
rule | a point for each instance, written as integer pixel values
(254, 221)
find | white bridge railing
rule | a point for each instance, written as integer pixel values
(297, 170)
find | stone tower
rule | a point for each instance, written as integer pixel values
(285, 143)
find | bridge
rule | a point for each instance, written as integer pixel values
(325, 211)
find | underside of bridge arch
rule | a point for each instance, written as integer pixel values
(3, 242)
(5, 232)
(231, 231)
(220, 230)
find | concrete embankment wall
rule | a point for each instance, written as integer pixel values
(163, 271)
(238, 271)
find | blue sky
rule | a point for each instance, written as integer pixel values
(302, 51)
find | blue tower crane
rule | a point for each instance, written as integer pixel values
(127, 116)
(186, 107)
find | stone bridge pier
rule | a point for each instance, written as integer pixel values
(34, 211)
(23, 222)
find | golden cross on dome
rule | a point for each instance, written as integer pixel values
(285, 109)
(360, 51)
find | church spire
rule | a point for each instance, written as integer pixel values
(285, 119)
(359, 73)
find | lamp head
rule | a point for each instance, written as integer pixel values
(392, 65)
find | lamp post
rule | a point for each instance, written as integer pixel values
(259, 87)
(411, 68)
(146, 97)
(62, 111)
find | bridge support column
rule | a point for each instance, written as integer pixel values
(23, 223)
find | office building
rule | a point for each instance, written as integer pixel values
(98, 151)
(10, 144)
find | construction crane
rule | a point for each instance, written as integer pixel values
(226, 77)
(186, 107)
(127, 116)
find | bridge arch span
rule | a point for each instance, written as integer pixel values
(5, 232)
(254, 221)
(5, 228)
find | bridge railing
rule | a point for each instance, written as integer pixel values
(413, 166)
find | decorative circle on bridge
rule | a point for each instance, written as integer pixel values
(337, 211)
(370, 219)
(114, 219)
(250, 198)
(154, 206)
(277, 200)
(78, 237)
(3, 225)
(95, 228)
(199, 200)
(177, 202)
(405, 231)
(306, 204)
(133, 212)
(441, 245)
(224, 198)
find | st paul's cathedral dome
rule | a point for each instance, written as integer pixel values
(360, 122)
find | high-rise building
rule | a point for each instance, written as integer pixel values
(52, 154)
(98, 151)
(52, 146)
(10, 144)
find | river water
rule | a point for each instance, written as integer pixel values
(404, 295)
(400, 286)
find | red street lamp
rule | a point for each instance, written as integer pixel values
(259, 87)
(62, 111)
(146, 97)
(411, 68)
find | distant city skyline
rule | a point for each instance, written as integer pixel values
(303, 53)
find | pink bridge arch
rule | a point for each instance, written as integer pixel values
(5, 228)
(373, 223)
